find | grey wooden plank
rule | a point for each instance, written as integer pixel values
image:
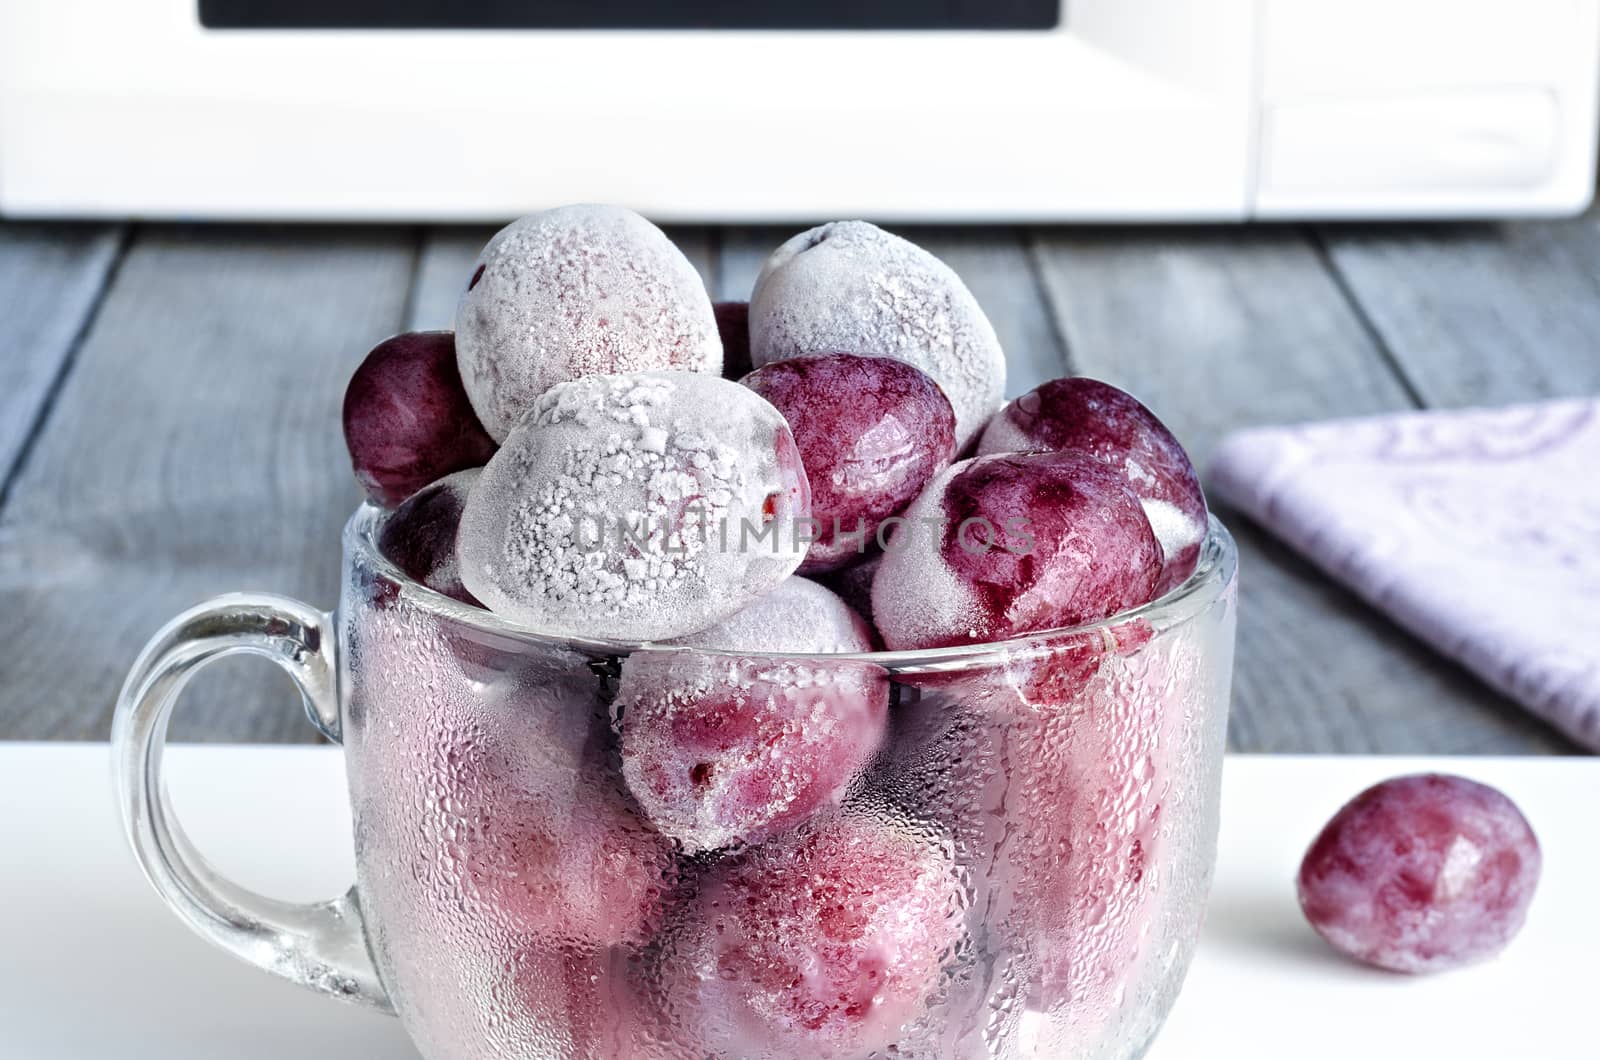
(1481, 314)
(1224, 330)
(1217, 329)
(195, 449)
(444, 265)
(995, 264)
(998, 268)
(51, 277)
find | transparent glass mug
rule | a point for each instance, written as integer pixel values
(1020, 872)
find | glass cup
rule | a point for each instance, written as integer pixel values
(1018, 871)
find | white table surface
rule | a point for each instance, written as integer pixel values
(93, 968)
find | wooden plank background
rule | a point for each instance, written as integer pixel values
(169, 425)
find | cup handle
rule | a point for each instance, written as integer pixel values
(320, 945)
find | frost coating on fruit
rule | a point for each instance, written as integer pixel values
(852, 286)
(798, 617)
(636, 507)
(420, 537)
(514, 825)
(720, 749)
(407, 420)
(1421, 874)
(1008, 544)
(1096, 419)
(871, 430)
(577, 291)
(826, 943)
(541, 841)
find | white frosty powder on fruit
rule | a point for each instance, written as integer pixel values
(1173, 527)
(916, 597)
(1002, 435)
(799, 616)
(851, 287)
(719, 749)
(619, 508)
(576, 291)
(796, 735)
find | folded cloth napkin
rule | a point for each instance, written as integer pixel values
(1478, 530)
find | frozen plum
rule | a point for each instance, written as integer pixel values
(1421, 874)
(636, 507)
(420, 537)
(542, 843)
(1086, 416)
(407, 420)
(852, 286)
(733, 326)
(1002, 545)
(730, 751)
(827, 943)
(798, 617)
(872, 432)
(720, 750)
(577, 291)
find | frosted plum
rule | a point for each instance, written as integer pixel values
(407, 421)
(798, 617)
(636, 507)
(826, 943)
(721, 750)
(1096, 419)
(1002, 545)
(543, 843)
(1421, 874)
(420, 537)
(852, 286)
(577, 291)
(872, 432)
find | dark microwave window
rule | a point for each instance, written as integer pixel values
(630, 14)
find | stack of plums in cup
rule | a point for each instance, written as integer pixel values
(760, 859)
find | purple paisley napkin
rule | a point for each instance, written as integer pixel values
(1478, 530)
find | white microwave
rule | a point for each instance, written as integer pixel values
(739, 110)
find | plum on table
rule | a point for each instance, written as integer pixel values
(1421, 874)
